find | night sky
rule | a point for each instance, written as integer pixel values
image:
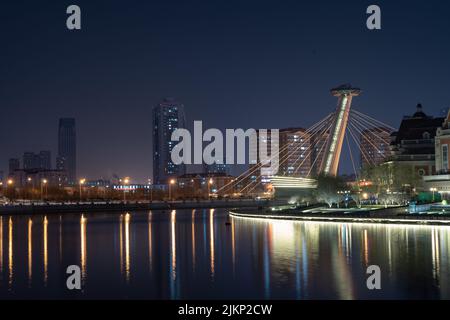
(234, 64)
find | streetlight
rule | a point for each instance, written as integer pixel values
(433, 190)
(126, 181)
(9, 183)
(82, 181)
(43, 183)
(151, 189)
(171, 183)
(29, 180)
(210, 182)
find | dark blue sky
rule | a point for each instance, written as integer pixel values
(249, 64)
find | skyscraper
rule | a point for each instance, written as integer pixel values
(45, 160)
(217, 167)
(295, 154)
(32, 160)
(14, 164)
(67, 149)
(167, 117)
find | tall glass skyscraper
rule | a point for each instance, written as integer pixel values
(67, 149)
(167, 117)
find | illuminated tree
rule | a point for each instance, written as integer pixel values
(328, 188)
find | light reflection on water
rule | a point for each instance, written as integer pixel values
(195, 254)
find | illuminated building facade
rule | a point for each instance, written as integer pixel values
(413, 144)
(440, 181)
(200, 185)
(67, 149)
(295, 153)
(167, 117)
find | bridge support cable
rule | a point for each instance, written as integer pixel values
(369, 118)
(371, 127)
(363, 152)
(353, 162)
(283, 159)
(310, 149)
(360, 131)
(369, 124)
(249, 171)
(315, 160)
(318, 131)
(324, 132)
(369, 134)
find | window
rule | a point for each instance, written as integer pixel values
(445, 157)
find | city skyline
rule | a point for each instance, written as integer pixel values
(268, 62)
(225, 157)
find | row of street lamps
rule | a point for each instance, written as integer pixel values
(173, 181)
(44, 183)
(126, 181)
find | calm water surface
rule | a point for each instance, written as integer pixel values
(193, 254)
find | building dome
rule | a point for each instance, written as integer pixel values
(419, 112)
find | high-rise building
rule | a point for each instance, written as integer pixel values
(295, 153)
(318, 143)
(41, 160)
(256, 175)
(217, 167)
(14, 164)
(31, 161)
(45, 159)
(167, 117)
(374, 144)
(67, 148)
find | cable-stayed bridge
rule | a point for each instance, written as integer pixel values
(320, 146)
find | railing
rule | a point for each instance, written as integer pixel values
(418, 141)
(414, 157)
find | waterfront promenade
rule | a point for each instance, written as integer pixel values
(390, 215)
(113, 206)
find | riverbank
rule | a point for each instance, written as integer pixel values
(58, 208)
(394, 215)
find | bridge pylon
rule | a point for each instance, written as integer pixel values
(330, 162)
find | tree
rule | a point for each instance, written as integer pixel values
(391, 176)
(327, 189)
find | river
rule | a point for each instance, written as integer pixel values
(196, 254)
